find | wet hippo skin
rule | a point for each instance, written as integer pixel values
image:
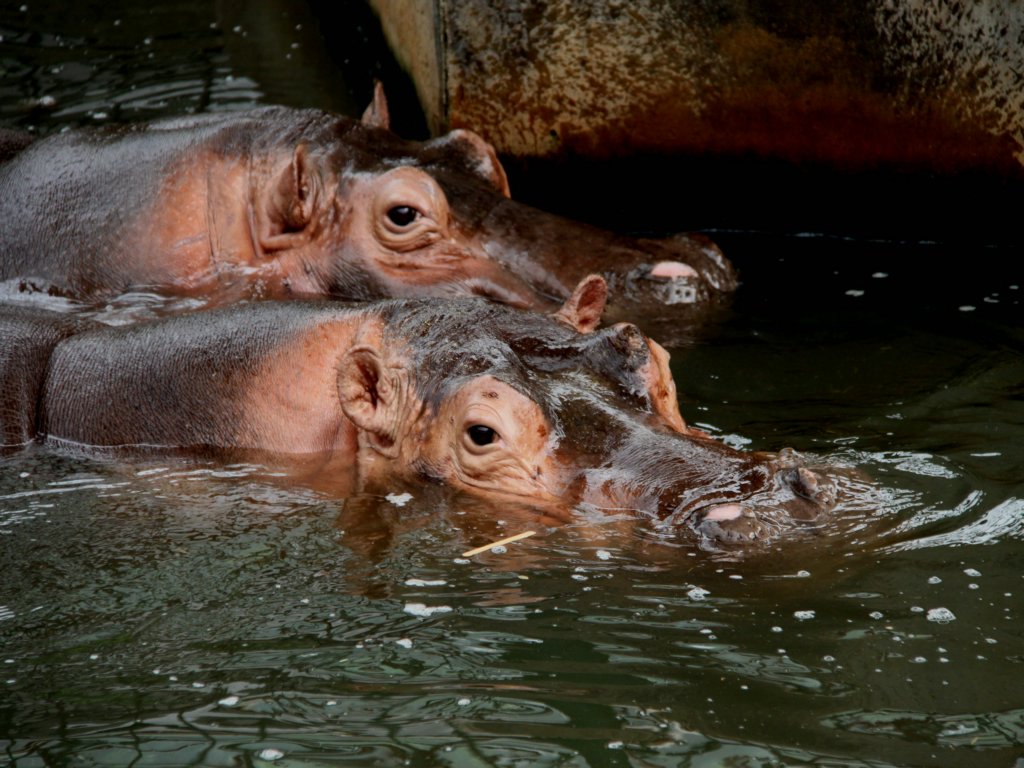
(539, 409)
(283, 203)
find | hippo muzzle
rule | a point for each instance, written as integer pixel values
(549, 253)
(685, 478)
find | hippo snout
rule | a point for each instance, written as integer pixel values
(683, 269)
(795, 495)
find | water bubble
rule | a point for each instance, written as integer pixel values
(918, 660)
(803, 615)
(697, 593)
(405, 642)
(426, 582)
(399, 499)
(463, 702)
(880, 275)
(876, 615)
(934, 580)
(501, 549)
(855, 292)
(603, 554)
(972, 572)
(972, 585)
(967, 308)
(776, 629)
(461, 561)
(916, 609)
(423, 611)
(228, 701)
(803, 574)
(271, 754)
(940, 615)
(615, 745)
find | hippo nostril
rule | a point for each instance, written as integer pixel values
(805, 483)
(628, 339)
(808, 485)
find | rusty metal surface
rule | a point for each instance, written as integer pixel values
(904, 84)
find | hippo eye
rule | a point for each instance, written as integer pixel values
(402, 215)
(482, 435)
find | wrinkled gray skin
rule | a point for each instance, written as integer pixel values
(526, 408)
(284, 203)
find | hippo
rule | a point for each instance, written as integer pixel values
(505, 404)
(284, 203)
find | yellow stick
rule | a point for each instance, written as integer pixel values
(498, 543)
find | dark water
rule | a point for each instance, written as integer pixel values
(161, 612)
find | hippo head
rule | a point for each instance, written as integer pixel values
(552, 412)
(351, 210)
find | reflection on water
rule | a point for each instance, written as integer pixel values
(172, 612)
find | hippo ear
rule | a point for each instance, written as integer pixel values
(470, 152)
(377, 115)
(371, 394)
(583, 309)
(288, 203)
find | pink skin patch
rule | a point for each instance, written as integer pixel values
(724, 512)
(672, 269)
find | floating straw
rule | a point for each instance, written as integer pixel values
(498, 543)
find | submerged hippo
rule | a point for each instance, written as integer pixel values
(283, 203)
(539, 409)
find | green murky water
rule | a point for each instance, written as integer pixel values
(172, 613)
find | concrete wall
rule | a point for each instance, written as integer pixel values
(891, 84)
